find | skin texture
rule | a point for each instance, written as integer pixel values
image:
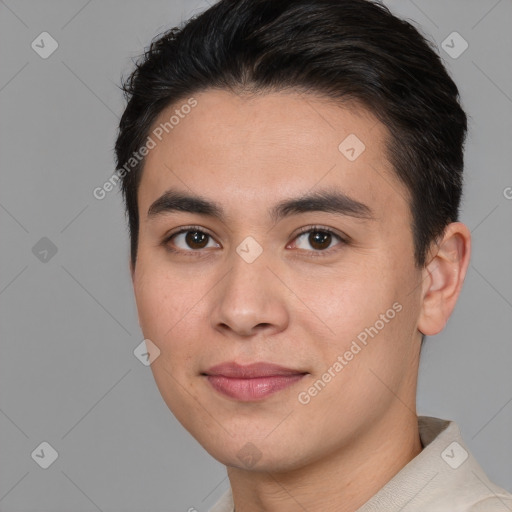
(289, 307)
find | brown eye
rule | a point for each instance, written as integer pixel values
(317, 240)
(320, 239)
(189, 240)
(196, 239)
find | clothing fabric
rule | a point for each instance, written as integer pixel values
(443, 477)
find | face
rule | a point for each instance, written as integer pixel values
(326, 288)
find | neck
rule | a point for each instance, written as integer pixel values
(342, 482)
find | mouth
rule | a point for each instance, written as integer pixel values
(252, 382)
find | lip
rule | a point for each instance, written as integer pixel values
(251, 382)
(250, 371)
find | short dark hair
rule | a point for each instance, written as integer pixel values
(345, 50)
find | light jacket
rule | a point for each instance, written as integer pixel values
(443, 477)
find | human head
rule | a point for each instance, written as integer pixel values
(272, 89)
(344, 50)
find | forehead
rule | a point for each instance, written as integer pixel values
(241, 149)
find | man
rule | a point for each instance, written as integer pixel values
(292, 172)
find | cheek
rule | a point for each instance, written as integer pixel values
(169, 314)
(350, 298)
(369, 304)
(157, 301)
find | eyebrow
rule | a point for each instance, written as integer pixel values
(328, 200)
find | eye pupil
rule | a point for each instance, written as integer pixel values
(319, 238)
(196, 239)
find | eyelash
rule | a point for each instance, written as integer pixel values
(306, 229)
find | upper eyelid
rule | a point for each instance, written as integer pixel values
(186, 229)
(317, 227)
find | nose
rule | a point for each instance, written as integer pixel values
(250, 300)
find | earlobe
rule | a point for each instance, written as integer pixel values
(443, 277)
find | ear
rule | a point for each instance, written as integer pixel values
(443, 277)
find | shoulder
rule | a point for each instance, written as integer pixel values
(498, 503)
(443, 477)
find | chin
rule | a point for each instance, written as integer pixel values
(257, 457)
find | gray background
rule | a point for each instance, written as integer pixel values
(68, 375)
